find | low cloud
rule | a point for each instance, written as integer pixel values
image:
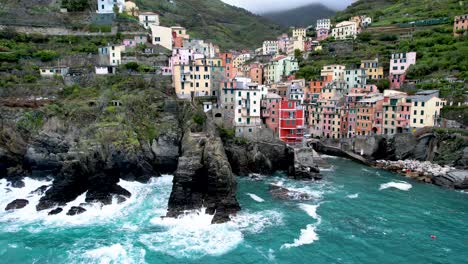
(262, 6)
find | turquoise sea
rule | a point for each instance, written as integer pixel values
(357, 215)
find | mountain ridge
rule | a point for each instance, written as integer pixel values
(301, 16)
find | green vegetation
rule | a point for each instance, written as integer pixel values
(76, 5)
(457, 113)
(440, 54)
(199, 119)
(387, 12)
(212, 20)
(46, 55)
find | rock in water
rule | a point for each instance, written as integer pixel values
(304, 165)
(76, 210)
(283, 193)
(17, 204)
(56, 211)
(203, 179)
(41, 190)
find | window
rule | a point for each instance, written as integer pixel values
(157, 39)
(422, 112)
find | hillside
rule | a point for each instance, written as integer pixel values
(301, 16)
(226, 25)
(386, 12)
(440, 54)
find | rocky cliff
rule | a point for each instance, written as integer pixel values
(445, 148)
(203, 179)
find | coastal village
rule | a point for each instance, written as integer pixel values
(249, 90)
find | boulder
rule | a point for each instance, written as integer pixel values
(76, 210)
(56, 211)
(304, 165)
(41, 190)
(456, 179)
(283, 193)
(17, 204)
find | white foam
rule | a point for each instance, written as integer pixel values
(115, 253)
(192, 235)
(329, 157)
(331, 168)
(95, 213)
(255, 197)
(309, 234)
(311, 210)
(353, 196)
(404, 186)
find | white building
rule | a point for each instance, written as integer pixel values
(345, 30)
(336, 71)
(240, 60)
(53, 71)
(247, 119)
(323, 24)
(355, 78)
(107, 6)
(366, 21)
(270, 47)
(111, 55)
(148, 18)
(161, 36)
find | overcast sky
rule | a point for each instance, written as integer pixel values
(262, 6)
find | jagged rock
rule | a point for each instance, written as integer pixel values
(56, 211)
(17, 204)
(41, 190)
(304, 165)
(17, 183)
(203, 179)
(166, 151)
(283, 193)
(265, 155)
(76, 210)
(44, 155)
(456, 179)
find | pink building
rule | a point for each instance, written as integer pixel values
(322, 34)
(270, 111)
(133, 42)
(283, 42)
(399, 65)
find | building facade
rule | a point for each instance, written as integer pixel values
(345, 30)
(399, 65)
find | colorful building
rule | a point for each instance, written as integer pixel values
(270, 47)
(323, 24)
(148, 18)
(291, 122)
(161, 36)
(227, 63)
(271, 110)
(336, 72)
(345, 30)
(399, 65)
(256, 73)
(460, 25)
(425, 110)
(355, 78)
(374, 70)
(279, 68)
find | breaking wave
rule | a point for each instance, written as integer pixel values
(404, 186)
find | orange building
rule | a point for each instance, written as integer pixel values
(227, 63)
(256, 73)
(367, 110)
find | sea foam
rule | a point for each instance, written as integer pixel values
(309, 234)
(255, 197)
(353, 196)
(404, 186)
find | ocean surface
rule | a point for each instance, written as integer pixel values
(357, 215)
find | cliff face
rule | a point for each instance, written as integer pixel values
(203, 179)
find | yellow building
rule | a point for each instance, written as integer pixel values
(373, 69)
(299, 33)
(192, 80)
(425, 110)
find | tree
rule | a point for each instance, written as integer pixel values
(132, 66)
(46, 55)
(75, 5)
(116, 9)
(383, 85)
(298, 56)
(364, 37)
